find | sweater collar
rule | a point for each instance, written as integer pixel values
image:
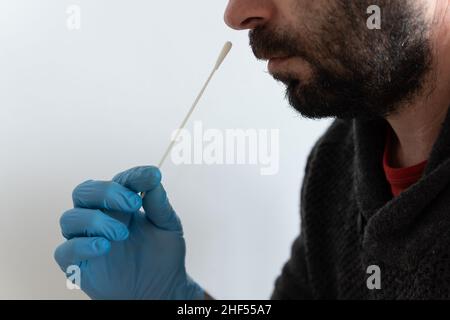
(400, 230)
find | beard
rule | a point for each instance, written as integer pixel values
(355, 72)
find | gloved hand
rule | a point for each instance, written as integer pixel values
(124, 253)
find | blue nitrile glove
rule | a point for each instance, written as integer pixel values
(124, 253)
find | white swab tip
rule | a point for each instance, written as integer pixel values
(223, 54)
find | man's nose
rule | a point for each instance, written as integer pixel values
(248, 14)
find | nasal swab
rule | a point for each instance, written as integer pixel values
(223, 54)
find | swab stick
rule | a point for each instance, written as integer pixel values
(223, 54)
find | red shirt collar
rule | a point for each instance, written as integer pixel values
(400, 179)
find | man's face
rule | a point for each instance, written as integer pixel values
(331, 62)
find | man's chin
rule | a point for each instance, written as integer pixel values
(298, 101)
(283, 78)
(316, 104)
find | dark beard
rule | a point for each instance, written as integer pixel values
(374, 73)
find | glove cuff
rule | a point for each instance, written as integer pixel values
(194, 291)
(189, 290)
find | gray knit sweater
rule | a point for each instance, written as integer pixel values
(350, 221)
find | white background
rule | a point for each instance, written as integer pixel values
(77, 105)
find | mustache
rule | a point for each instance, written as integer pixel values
(266, 43)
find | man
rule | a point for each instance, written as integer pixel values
(376, 194)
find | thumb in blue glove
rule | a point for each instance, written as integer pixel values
(124, 253)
